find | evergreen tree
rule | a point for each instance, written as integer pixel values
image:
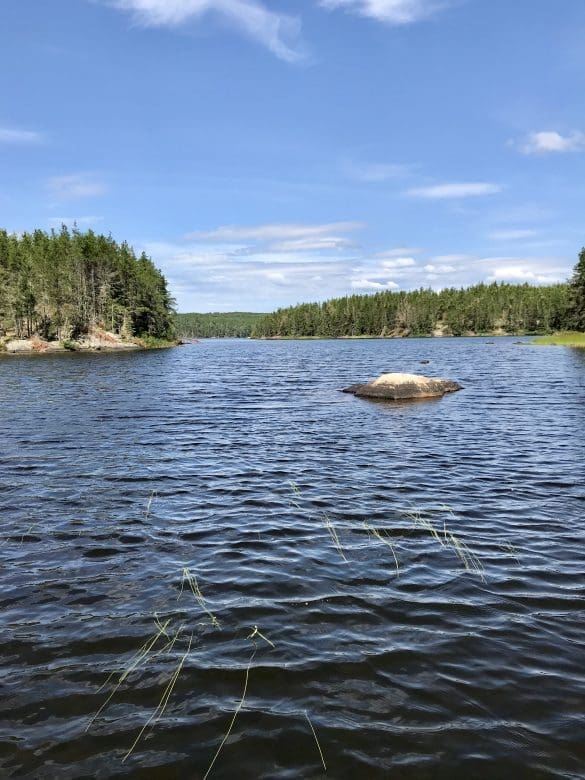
(577, 294)
(66, 284)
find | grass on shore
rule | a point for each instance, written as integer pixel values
(563, 339)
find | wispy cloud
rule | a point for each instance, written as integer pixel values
(439, 269)
(372, 284)
(277, 232)
(278, 32)
(399, 262)
(312, 244)
(454, 190)
(511, 235)
(399, 251)
(395, 12)
(76, 186)
(551, 142)
(15, 135)
(207, 276)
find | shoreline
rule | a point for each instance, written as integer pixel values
(428, 337)
(95, 342)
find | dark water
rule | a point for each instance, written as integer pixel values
(119, 471)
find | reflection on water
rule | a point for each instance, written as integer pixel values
(303, 512)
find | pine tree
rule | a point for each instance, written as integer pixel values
(577, 294)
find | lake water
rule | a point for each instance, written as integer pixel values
(308, 514)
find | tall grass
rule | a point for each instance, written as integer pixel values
(564, 339)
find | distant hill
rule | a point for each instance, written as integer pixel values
(233, 324)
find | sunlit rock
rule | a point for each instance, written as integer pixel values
(401, 387)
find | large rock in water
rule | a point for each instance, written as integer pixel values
(401, 387)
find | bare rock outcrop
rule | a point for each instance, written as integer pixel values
(402, 387)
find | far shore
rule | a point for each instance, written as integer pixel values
(439, 337)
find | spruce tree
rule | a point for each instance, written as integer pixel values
(577, 294)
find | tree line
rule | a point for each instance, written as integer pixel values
(62, 285)
(234, 324)
(483, 308)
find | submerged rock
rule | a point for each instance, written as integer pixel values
(401, 387)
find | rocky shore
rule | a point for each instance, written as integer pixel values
(96, 341)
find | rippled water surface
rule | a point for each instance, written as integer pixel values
(156, 507)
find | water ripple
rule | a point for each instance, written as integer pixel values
(304, 512)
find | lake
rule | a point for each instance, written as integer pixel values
(398, 589)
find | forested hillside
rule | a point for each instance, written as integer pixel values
(233, 324)
(60, 286)
(484, 308)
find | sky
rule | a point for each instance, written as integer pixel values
(269, 152)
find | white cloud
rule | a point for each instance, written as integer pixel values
(517, 273)
(551, 142)
(439, 269)
(453, 190)
(275, 232)
(511, 235)
(76, 186)
(370, 284)
(395, 12)
(535, 269)
(14, 135)
(399, 262)
(276, 31)
(316, 244)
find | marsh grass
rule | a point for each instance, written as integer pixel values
(564, 339)
(383, 536)
(447, 539)
(153, 648)
(191, 581)
(153, 495)
(316, 740)
(165, 698)
(252, 638)
(334, 536)
(325, 519)
(137, 660)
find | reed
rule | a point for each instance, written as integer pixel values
(153, 495)
(383, 536)
(191, 581)
(446, 538)
(316, 741)
(326, 520)
(252, 637)
(137, 660)
(165, 698)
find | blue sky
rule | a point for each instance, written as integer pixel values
(267, 152)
